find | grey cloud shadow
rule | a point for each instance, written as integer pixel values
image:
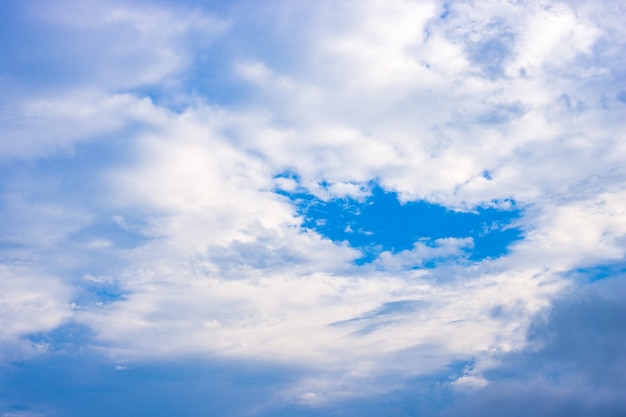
(576, 365)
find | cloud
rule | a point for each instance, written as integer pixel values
(423, 252)
(114, 44)
(189, 250)
(575, 365)
(47, 125)
(75, 80)
(459, 126)
(30, 302)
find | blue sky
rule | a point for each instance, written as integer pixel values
(312, 208)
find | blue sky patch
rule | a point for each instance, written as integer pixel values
(600, 272)
(382, 223)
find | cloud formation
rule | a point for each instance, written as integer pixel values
(151, 155)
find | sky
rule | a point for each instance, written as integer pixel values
(312, 208)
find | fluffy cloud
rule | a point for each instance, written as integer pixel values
(466, 104)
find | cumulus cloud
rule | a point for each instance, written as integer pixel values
(464, 104)
(436, 133)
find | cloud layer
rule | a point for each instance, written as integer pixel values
(151, 155)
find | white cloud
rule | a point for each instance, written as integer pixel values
(577, 234)
(423, 252)
(469, 382)
(230, 272)
(124, 45)
(92, 54)
(435, 133)
(382, 91)
(30, 302)
(46, 125)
